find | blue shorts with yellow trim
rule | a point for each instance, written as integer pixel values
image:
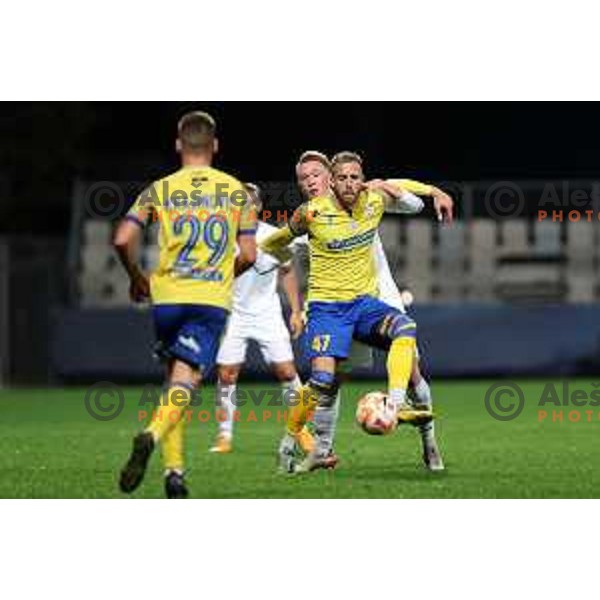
(333, 325)
(189, 332)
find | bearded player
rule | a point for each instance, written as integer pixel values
(313, 173)
(342, 296)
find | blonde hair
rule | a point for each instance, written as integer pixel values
(314, 156)
(342, 158)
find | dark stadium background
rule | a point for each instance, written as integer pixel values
(43, 146)
(46, 147)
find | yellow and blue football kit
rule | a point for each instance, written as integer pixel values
(342, 286)
(200, 212)
(343, 305)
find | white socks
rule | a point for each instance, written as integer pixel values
(225, 403)
(396, 398)
(423, 392)
(225, 408)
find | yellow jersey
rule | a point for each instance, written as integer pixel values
(200, 212)
(413, 186)
(342, 267)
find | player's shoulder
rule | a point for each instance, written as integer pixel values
(299, 221)
(222, 176)
(314, 208)
(302, 210)
(170, 177)
(319, 203)
(370, 196)
(311, 209)
(371, 200)
(164, 187)
(201, 174)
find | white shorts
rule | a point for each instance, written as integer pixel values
(271, 335)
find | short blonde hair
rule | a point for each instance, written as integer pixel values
(314, 156)
(342, 158)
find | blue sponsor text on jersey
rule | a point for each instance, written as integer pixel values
(362, 239)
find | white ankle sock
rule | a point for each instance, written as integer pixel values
(397, 397)
(225, 408)
(423, 392)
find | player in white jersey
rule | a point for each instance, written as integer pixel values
(257, 315)
(390, 294)
(313, 178)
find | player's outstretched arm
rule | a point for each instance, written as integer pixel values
(397, 199)
(443, 203)
(290, 285)
(126, 242)
(278, 244)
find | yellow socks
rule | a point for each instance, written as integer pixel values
(298, 414)
(167, 424)
(399, 365)
(172, 447)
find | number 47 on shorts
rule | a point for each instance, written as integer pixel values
(321, 343)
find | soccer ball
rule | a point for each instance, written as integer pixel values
(374, 414)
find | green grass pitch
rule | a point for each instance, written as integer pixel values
(51, 448)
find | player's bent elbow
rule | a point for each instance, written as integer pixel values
(119, 242)
(124, 235)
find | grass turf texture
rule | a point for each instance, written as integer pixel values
(51, 448)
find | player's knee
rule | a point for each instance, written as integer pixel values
(228, 375)
(402, 326)
(284, 372)
(196, 379)
(326, 386)
(182, 373)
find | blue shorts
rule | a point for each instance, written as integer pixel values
(333, 325)
(189, 332)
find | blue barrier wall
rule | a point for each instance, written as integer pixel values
(455, 341)
(486, 340)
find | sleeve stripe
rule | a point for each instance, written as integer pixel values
(134, 219)
(247, 232)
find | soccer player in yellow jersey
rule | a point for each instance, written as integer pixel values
(343, 303)
(202, 213)
(313, 173)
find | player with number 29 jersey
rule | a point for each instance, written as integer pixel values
(200, 211)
